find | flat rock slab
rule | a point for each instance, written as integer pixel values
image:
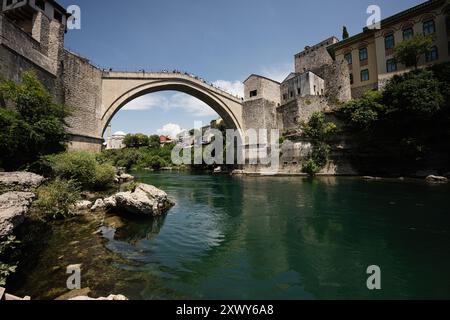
(13, 208)
(20, 181)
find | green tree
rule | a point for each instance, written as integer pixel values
(317, 128)
(345, 34)
(363, 112)
(136, 140)
(319, 131)
(416, 93)
(32, 125)
(409, 51)
(154, 141)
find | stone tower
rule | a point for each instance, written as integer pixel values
(33, 33)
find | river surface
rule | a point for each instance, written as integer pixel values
(258, 238)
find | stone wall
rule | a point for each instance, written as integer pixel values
(337, 81)
(359, 91)
(19, 52)
(82, 90)
(292, 114)
(259, 114)
(23, 45)
(313, 58)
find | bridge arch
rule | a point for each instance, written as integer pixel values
(118, 89)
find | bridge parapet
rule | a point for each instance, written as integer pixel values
(169, 75)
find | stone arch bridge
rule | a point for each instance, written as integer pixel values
(119, 88)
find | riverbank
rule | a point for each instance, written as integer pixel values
(24, 221)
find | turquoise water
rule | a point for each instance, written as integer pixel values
(268, 238)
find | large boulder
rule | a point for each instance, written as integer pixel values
(13, 208)
(20, 181)
(145, 200)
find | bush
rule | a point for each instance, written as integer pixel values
(56, 198)
(362, 113)
(319, 131)
(311, 167)
(7, 248)
(317, 128)
(320, 154)
(35, 126)
(84, 168)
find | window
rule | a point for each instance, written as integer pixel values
(391, 65)
(351, 78)
(348, 57)
(389, 42)
(8, 2)
(298, 91)
(363, 54)
(253, 93)
(429, 27)
(432, 55)
(408, 33)
(40, 4)
(365, 75)
(284, 96)
(291, 94)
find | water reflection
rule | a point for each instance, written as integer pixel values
(273, 238)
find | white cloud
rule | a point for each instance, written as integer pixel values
(234, 87)
(170, 129)
(146, 102)
(171, 102)
(277, 72)
(190, 104)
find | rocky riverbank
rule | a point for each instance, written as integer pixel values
(18, 192)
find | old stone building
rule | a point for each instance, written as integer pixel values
(314, 57)
(370, 54)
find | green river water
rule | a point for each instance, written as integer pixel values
(257, 238)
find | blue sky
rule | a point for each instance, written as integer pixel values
(221, 41)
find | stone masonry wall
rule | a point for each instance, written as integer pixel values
(313, 59)
(259, 114)
(82, 88)
(301, 109)
(25, 46)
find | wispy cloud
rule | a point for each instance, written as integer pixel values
(146, 102)
(277, 72)
(234, 87)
